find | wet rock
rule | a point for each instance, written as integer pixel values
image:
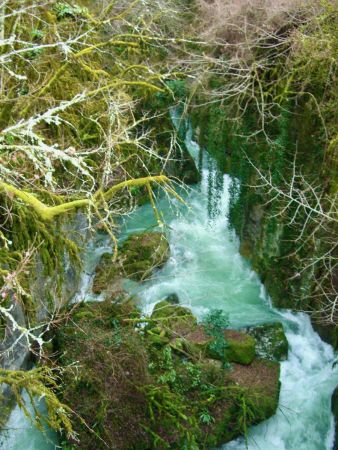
(138, 256)
(142, 253)
(271, 341)
(328, 333)
(172, 299)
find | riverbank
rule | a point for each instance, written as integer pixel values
(94, 135)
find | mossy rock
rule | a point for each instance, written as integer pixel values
(241, 347)
(213, 367)
(261, 379)
(271, 341)
(197, 343)
(142, 253)
(138, 256)
(172, 299)
(157, 339)
(168, 310)
(176, 320)
(106, 273)
(135, 385)
(255, 386)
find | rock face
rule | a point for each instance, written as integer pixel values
(173, 299)
(159, 385)
(138, 256)
(45, 296)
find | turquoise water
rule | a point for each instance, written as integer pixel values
(206, 271)
(21, 434)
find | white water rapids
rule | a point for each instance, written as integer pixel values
(206, 271)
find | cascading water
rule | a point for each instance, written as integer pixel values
(304, 420)
(207, 272)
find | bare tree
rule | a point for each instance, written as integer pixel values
(312, 213)
(72, 136)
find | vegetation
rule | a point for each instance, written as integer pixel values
(86, 135)
(274, 112)
(138, 256)
(39, 383)
(150, 385)
(76, 142)
(85, 146)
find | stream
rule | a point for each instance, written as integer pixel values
(207, 272)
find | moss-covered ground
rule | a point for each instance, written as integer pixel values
(153, 383)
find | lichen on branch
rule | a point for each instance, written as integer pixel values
(50, 212)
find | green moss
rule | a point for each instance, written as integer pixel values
(7, 405)
(143, 253)
(271, 341)
(105, 273)
(241, 347)
(173, 320)
(245, 402)
(142, 386)
(40, 382)
(139, 255)
(170, 311)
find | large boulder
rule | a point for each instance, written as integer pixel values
(239, 347)
(251, 397)
(138, 256)
(142, 253)
(173, 320)
(156, 386)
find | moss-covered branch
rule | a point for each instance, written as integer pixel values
(48, 213)
(38, 383)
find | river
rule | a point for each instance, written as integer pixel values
(207, 271)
